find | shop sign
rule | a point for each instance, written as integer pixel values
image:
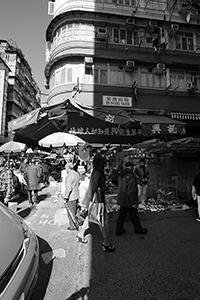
(117, 101)
(113, 131)
(171, 128)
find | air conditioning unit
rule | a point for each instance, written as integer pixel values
(192, 86)
(159, 69)
(174, 28)
(88, 62)
(102, 34)
(130, 66)
(130, 21)
(152, 24)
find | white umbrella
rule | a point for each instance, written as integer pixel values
(60, 139)
(12, 146)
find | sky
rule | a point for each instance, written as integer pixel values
(25, 22)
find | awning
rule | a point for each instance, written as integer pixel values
(94, 125)
(158, 125)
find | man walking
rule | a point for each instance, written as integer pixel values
(128, 200)
(71, 191)
(142, 174)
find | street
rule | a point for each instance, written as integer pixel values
(162, 265)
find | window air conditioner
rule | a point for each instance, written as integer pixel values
(152, 24)
(192, 86)
(159, 69)
(174, 27)
(89, 60)
(130, 21)
(101, 34)
(130, 65)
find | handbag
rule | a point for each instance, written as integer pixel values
(96, 211)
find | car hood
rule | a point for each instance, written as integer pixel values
(11, 237)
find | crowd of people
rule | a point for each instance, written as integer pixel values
(28, 175)
(78, 191)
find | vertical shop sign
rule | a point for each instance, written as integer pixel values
(2, 105)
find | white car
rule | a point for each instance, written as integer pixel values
(19, 257)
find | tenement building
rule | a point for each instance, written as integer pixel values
(141, 56)
(20, 93)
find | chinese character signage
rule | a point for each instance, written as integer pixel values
(117, 101)
(160, 128)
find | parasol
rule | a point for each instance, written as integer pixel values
(12, 146)
(60, 139)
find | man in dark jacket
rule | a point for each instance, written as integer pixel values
(128, 200)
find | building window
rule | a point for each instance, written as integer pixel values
(101, 74)
(184, 41)
(181, 79)
(149, 79)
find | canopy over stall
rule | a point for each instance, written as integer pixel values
(93, 125)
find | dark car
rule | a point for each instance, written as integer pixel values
(19, 256)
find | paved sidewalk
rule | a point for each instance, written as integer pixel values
(162, 265)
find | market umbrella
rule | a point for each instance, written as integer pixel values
(12, 146)
(60, 139)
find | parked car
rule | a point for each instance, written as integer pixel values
(19, 257)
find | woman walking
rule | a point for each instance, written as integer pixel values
(97, 182)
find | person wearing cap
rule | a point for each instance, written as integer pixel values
(128, 200)
(71, 190)
(6, 182)
(142, 174)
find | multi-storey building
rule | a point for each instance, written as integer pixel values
(142, 56)
(22, 91)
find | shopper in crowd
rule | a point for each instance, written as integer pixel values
(71, 191)
(6, 182)
(196, 192)
(142, 174)
(97, 180)
(45, 172)
(128, 200)
(32, 175)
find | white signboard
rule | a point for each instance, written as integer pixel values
(117, 101)
(2, 81)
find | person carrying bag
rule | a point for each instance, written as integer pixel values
(94, 202)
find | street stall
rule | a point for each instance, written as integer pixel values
(119, 135)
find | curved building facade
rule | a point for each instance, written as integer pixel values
(140, 56)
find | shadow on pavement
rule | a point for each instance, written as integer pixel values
(80, 295)
(44, 272)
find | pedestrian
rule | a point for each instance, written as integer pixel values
(142, 174)
(97, 181)
(32, 175)
(45, 173)
(71, 191)
(6, 182)
(128, 200)
(196, 192)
